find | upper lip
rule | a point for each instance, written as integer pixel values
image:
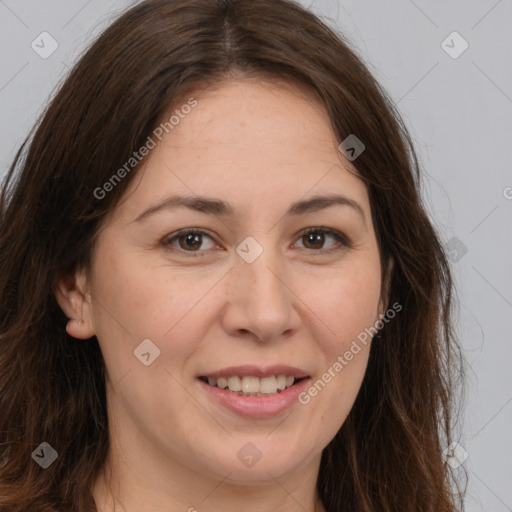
(257, 371)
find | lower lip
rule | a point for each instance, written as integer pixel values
(257, 406)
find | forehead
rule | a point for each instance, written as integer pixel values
(269, 141)
(251, 113)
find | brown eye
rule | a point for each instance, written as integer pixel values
(315, 238)
(192, 241)
(187, 241)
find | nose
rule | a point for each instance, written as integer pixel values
(260, 299)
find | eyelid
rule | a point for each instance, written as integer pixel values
(340, 237)
(166, 241)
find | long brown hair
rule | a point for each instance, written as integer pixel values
(387, 456)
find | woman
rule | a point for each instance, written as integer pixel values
(220, 289)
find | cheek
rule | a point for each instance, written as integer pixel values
(344, 304)
(135, 301)
(143, 300)
(348, 306)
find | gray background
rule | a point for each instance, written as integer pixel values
(459, 112)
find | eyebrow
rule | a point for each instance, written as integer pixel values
(221, 208)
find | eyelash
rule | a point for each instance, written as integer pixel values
(337, 235)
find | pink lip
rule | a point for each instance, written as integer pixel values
(256, 371)
(256, 406)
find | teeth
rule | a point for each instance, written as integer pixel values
(253, 386)
(235, 383)
(268, 385)
(250, 385)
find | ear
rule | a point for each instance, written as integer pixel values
(76, 304)
(384, 301)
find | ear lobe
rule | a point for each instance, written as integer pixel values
(73, 300)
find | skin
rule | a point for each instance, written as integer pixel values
(260, 146)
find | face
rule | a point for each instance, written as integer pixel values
(246, 292)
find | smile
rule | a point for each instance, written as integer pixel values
(253, 392)
(251, 385)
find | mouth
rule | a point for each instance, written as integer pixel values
(253, 386)
(253, 392)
